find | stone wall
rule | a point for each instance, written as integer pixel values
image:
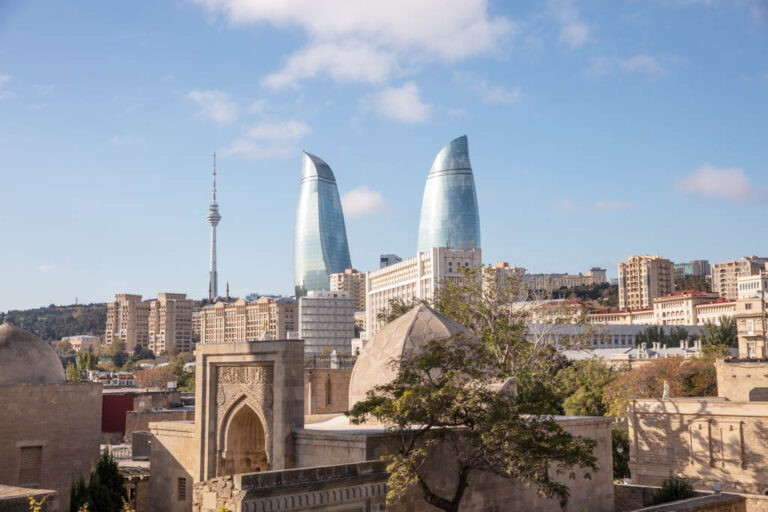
(317, 398)
(139, 420)
(16, 499)
(701, 440)
(174, 456)
(742, 381)
(63, 419)
(708, 503)
(628, 497)
(347, 487)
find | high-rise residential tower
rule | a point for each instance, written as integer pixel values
(213, 219)
(449, 214)
(320, 236)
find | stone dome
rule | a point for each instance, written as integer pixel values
(26, 359)
(398, 338)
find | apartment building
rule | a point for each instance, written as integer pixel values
(592, 276)
(725, 274)
(170, 323)
(267, 318)
(752, 315)
(643, 278)
(679, 307)
(327, 322)
(81, 343)
(713, 312)
(692, 268)
(416, 278)
(353, 283)
(127, 321)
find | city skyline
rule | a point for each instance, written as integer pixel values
(597, 133)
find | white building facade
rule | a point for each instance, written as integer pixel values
(327, 322)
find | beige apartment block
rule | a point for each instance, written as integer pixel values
(415, 279)
(714, 312)
(725, 275)
(352, 282)
(643, 278)
(264, 319)
(127, 321)
(170, 324)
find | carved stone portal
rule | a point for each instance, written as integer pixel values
(244, 413)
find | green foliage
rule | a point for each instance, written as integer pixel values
(655, 333)
(72, 373)
(64, 347)
(620, 444)
(444, 396)
(582, 384)
(724, 334)
(693, 283)
(86, 361)
(104, 491)
(55, 322)
(605, 294)
(395, 309)
(140, 353)
(672, 489)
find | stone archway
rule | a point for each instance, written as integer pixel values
(244, 446)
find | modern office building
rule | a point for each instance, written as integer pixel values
(264, 319)
(725, 274)
(127, 320)
(353, 283)
(449, 214)
(643, 278)
(414, 279)
(170, 323)
(320, 236)
(692, 268)
(386, 260)
(326, 322)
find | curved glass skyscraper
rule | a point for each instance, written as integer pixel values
(320, 236)
(449, 215)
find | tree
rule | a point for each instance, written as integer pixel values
(396, 308)
(620, 445)
(72, 373)
(140, 353)
(673, 489)
(156, 378)
(104, 492)
(86, 361)
(64, 347)
(693, 283)
(686, 377)
(446, 398)
(724, 334)
(582, 385)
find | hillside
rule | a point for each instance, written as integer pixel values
(54, 322)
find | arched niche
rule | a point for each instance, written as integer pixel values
(243, 447)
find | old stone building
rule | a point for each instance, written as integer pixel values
(250, 449)
(49, 429)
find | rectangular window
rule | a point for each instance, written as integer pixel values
(181, 490)
(30, 465)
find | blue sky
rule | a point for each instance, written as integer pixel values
(597, 130)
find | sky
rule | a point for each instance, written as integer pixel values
(597, 130)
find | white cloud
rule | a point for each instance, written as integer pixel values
(44, 268)
(363, 201)
(4, 79)
(402, 104)
(215, 105)
(257, 107)
(269, 140)
(368, 41)
(573, 31)
(724, 182)
(489, 93)
(645, 64)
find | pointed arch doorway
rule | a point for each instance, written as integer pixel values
(244, 443)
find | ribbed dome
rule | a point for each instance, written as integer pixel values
(26, 359)
(402, 336)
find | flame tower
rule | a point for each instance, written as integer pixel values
(213, 219)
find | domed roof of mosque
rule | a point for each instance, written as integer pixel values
(26, 359)
(398, 338)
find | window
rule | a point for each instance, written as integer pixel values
(181, 490)
(31, 461)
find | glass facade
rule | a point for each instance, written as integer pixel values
(449, 214)
(320, 237)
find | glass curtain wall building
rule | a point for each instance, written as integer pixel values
(449, 214)
(320, 237)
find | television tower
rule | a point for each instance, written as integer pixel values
(213, 219)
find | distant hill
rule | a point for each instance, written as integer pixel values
(54, 322)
